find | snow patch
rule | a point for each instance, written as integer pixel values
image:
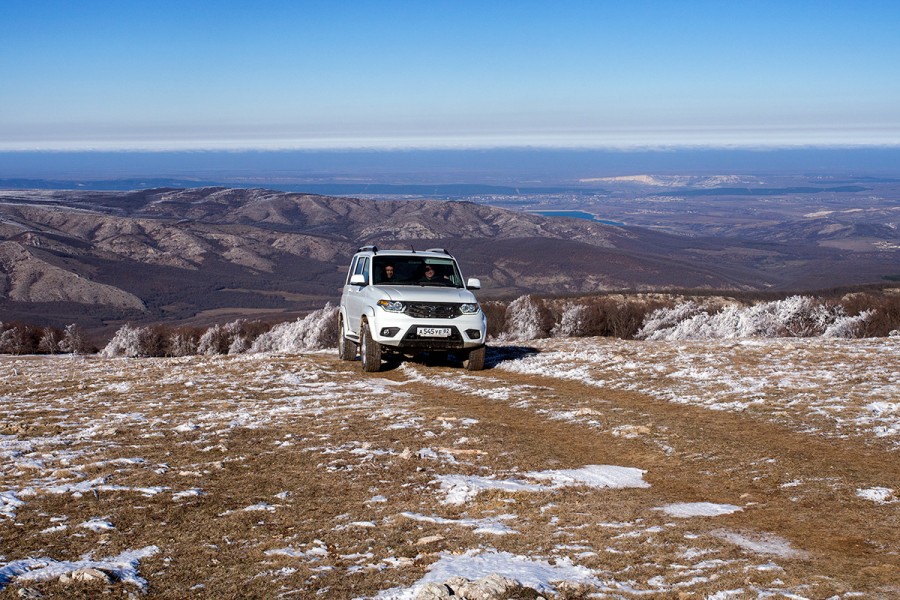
(684, 510)
(98, 524)
(492, 525)
(878, 495)
(123, 567)
(9, 503)
(475, 564)
(760, 543)
(459, 489)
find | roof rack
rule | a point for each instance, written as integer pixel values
(372, 249)
(441, 250)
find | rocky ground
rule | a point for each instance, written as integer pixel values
(570, 468)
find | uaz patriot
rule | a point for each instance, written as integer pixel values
(407, 302)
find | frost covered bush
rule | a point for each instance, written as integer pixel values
(137, 341)
(73, 340)
(526, 319)
(7, 341)
(125, 342)
(50, 340)
(797, 316)
(20, 338)
(239, 345)
(572, 321)
(666, 318)
(641, 316)
(216, 340)
(315, 331)
(848, 327)
(884, 309)
(232, 338)
(183, 342)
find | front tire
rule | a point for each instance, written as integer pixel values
(346, 348)
(475, 360)
(369, 350)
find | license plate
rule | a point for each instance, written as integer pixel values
(433, 331)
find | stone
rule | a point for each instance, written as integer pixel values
(455, 582)
(434, 591)
(85, 575)
(491, 587)
(429, 539)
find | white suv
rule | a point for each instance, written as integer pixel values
(406, 301)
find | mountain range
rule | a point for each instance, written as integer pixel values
(209, 254)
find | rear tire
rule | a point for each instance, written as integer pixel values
(369, 350)
(475, 360)
(346, 348)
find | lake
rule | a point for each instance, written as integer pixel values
(576, 214)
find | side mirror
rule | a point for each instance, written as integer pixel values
(358, 279)
(473, 284)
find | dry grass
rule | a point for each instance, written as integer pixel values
(312, 477)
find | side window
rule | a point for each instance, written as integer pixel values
(365, 269)
(362, 267)
(352, 270)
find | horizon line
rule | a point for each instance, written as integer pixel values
(225, 148)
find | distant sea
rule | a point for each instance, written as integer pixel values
(505, 168)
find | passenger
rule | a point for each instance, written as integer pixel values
(388, 275)
(431, 276)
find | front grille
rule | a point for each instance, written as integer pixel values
(432, 310)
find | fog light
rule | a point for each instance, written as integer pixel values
(389, 331)
(473, 334)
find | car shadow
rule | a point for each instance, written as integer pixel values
(500, 354)
(494, 356)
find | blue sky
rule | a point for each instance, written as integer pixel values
(238, 75)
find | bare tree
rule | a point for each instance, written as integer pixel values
(73, 340)
(50, 340)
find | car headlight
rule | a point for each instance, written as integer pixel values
(392, 306)
(468, 309)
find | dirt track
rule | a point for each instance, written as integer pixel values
(698, 455)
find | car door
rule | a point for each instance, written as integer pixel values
(354, 295)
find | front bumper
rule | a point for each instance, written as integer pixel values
(400, 331)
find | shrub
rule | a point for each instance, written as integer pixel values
(183, 341)
(125, 342)
(20, 338)
(73, 340)
(797, 316)
(572, 322)
(495, 312)
(527, 318)
(232, 338)
(315, 331)
(884, 308)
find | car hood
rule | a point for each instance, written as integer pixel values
(414, 293)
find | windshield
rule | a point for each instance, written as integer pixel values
(415, 270)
